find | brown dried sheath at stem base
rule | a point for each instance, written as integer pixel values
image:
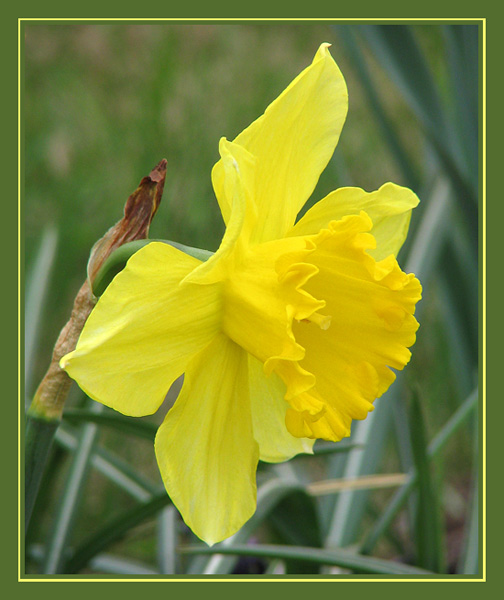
(46, 409)
(138, 213)
(139, 210)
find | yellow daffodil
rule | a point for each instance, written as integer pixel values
(285, 335)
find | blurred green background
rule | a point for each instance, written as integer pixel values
(102, 104)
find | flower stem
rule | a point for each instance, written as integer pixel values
(46, 409)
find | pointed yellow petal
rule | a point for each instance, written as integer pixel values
(235, 169)
(292, 143)
(371, 305)
(205, 447)
(234, 183)
(269, 408)
(389, 208)
(143, 331)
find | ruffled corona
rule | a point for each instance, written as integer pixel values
(272, 309)
(372, 326)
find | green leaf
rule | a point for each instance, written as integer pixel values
(71, 497)
(397, 49)
(462, 54)
(469, 557)
(428, 531)
(112, 467)
(434, 449)
(37, 286)
(295, 520)
(432, 231)
(387, 125)
(103, 563)
(39, 435)
(128, 425)
(460, 274)
(324, 448)
(469, 563)
(350, 505)
(114, 531)
(340, 558)
(461, 357)
(167, 540)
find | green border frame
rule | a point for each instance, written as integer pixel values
(484, 246)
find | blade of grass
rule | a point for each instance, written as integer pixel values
(462, 249)
(462, 284)
(434, 449)
(387, 126)
(469, 557)
(469, 563)
(103, 563)
(403, 439)
(461, 359)
(39, 435)
(167, 540)
(113, 468)
(36, 292)
(275, 567)
(462, 55)
(334, 467)
(107, 563)
(341, 558)
(114, 531)
(295, 521)
(324, 448)
(350, 505)
(398, 51)
(431, 233)
(428, 530)
(71, 498)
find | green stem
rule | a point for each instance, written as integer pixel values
(120, 256)
(39, 435)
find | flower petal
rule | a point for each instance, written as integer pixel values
(269, 407)
(371, 304)
(145, 328)
(235, 185)
(205, 447)
(292, 143)
(389, 208)
(234, 180)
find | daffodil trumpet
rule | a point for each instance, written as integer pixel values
(285, 335)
